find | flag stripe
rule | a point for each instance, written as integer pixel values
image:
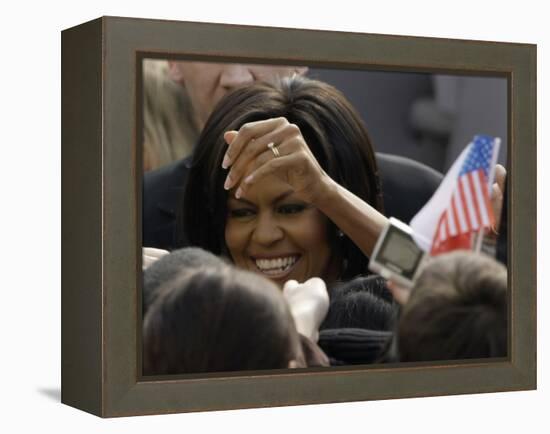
(444, 231)
(459, 214)
(464, 205)
(438, 237)
(453, 224)
(447, 228)
(480, 197)
(474, 197)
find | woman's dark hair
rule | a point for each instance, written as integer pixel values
(457, 310)
(216, 319)
(332, 129)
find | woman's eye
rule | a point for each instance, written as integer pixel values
(241, 212)
(291, 208)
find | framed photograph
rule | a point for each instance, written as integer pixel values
(124, 121)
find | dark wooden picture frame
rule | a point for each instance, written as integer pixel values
(101, 216)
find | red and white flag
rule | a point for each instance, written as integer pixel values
(461, 205)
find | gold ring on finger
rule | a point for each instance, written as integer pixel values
(274, 149)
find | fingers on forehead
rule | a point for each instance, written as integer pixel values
(259, 128)
(251, 131)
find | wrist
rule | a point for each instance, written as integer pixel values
(324, 192)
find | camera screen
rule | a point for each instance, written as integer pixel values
(400, 253)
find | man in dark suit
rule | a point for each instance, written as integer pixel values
(162, 191)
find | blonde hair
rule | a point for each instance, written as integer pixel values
(168, 130)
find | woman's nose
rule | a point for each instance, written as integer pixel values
(267, 231)
(235, 75)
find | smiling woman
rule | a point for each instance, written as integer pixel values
(284, 183)
(302, 174)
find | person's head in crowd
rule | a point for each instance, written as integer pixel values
(169, 132)
(217, 319)
(207, 82)
(363, 302)
(172, 264)
(457, 309)
(271, 232)
(178, 96)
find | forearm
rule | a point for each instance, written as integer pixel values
(357, 219)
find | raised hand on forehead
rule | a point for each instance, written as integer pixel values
(271, 147)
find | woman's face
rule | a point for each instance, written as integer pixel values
(271, 232)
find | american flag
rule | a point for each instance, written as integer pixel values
(469, 208)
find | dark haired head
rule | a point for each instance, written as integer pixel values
(219, 319)
(457, 310)
(170, 265)
(363, 302)
(333, 131)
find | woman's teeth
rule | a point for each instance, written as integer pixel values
(276, 265)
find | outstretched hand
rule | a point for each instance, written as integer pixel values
(308, 304)
(272, 147)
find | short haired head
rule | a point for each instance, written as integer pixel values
(172, 264)
(363, 302)
(457, 310)
(216, 320)
(332, 129)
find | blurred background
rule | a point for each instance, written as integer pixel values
(427, 117)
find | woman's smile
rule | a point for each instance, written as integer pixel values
(276, 267)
